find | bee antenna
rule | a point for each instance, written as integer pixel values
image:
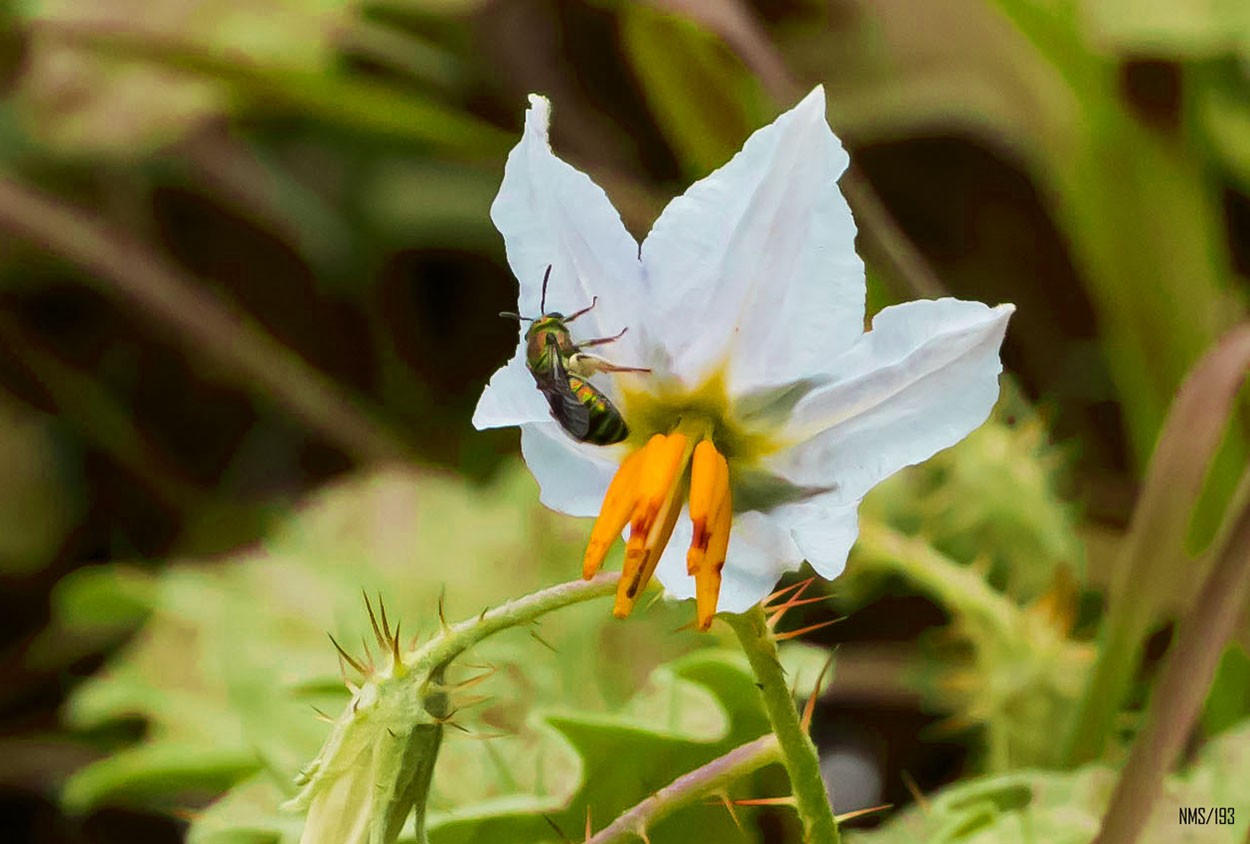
(542, 306)
(518, 317)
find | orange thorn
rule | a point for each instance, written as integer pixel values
(790, 634)
(913, 788)
(792, 601)
(801, 585)
(859, 813)
(767, 801)
(810, 708)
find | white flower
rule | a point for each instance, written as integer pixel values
(746, 301)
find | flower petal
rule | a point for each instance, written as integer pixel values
(758, 260)
(572, 477)
(760, 551)
(920, 381)
(824, 529)
(550, 213)
(511, 397)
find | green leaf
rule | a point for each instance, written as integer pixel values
(233, 657)
(88, 66)
(704, 101)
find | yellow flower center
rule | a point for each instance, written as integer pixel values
(684, 431)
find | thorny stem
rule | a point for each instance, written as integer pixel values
(798, 753)
(711, 778)
(456, 638)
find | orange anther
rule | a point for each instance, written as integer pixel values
(655, 512)
(706, 563)
(618, 506)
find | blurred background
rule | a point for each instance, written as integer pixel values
(246, 258)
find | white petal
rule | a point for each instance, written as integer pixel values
(671, 570)
(920, 381)
(760, 551)
(552, 214)
(758, 260)
(572, 477)
(511, 398)
(824, 529)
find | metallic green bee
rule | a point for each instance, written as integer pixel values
(560, 368)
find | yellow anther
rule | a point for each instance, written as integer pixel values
(647, 494)
(712, 521)
(655, 512)
(618, 506)
(704, 498)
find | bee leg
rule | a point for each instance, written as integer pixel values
(584, 310)
(585, 365)
(599, 341)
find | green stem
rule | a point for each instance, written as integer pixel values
(798, 753)
(456, 638)
(711, 778)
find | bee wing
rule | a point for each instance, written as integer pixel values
(565, 406)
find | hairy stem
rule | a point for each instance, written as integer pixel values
(711, 778)
(798, 753)
(456, 638)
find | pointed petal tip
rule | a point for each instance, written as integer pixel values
(540, 108)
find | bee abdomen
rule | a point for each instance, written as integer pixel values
(607, 426)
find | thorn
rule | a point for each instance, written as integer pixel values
(859, 813)
(386, 627)
(461, 727)
(589, 827)
(488, 736)
(543, 642)
(395, 645)
(790, 634)
(321, 716)
(800, 585)
(766, 801)
(781, 610)
(729, 807)
(689, 625)
(348, 657)
(482, 614)
(368, 660)
(806, 721)
(913, 788)
(547, 818)
(373, 620)
(472, 700)
(469, 683)
(442, 614)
